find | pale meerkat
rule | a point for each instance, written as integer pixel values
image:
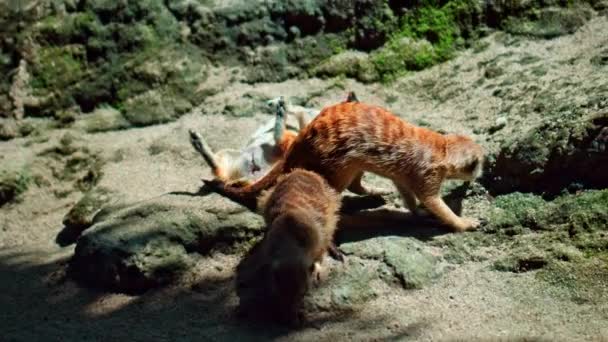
(267, 145)
(349, 138)
(301, 213)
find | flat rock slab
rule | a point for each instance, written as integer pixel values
(372, 268)
(408, 259)
(132, 248)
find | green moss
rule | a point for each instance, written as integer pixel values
(102, 119)
(154, 107)
(13, 184)
(517, 209)
(549, 22)
(58, 67)
(582, 212)
(428, 35)
(74, 28)
(582, 282)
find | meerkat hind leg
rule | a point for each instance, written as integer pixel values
(408, 198)
(357, 187)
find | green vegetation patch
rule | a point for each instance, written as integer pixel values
(13, 184)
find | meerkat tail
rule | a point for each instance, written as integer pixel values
(200, 145)
(248, 195)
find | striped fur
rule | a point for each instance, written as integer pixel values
(350, 138)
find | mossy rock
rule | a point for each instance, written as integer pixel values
(13, 183)
(582, 282)
(154, 107)
(401, 55)
(9, 129)
(135, 247)
(550, 22)
(101, 120)
(584, 212)
(568, 149)
(81, 215)
(413, 267)
(349, 63)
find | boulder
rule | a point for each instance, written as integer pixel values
(564, 151)
(82, 214)
(132, 248)
(409, 260)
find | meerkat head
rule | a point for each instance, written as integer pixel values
(274, 104)
(464, 158)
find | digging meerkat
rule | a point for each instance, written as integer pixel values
(301, 213)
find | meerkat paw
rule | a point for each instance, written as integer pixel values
(378, 192)
(467, 224)
(319, 274)
(335, 253)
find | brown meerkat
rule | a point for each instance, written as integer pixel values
(349, 138)
(301, 213)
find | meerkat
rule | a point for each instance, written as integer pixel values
(301, 213)
(349, 138)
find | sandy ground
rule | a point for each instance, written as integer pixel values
(470, 301)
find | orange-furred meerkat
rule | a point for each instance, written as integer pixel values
(301, 213)
(349, 138)
(267, 145)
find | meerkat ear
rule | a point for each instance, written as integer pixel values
(351, 97)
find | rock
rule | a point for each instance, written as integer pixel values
(601, 59)
(154, 107)
(350, 63)
(82, 214)
(551, 22)
(13, 183)
(566, 150)
(348, 285)
(410, 262)
(578, 213)
(101, 120)
(133, 248)
(370, 267)
(8, 129)
(499, 124)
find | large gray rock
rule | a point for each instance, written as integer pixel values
(136, 247)
(371, 268)
(566, 150)
(82, 214)
(408, 259)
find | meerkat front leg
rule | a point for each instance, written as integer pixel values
(437, 206)
(319, 272)
(280, 123)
